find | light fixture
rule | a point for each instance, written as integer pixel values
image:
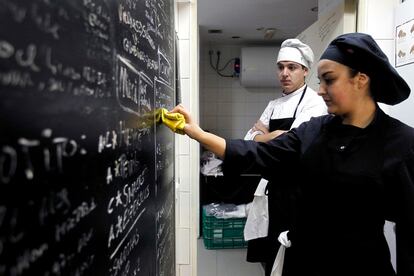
(215, 31)
(269, 33)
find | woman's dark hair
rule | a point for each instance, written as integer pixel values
(352, 72)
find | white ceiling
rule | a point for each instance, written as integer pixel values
(243, 17)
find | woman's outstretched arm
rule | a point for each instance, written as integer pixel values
(211, 142)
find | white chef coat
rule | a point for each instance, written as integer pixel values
(312, 105)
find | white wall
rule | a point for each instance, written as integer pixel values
(335, 17)
(187, 151)
(227, 108)
(404, 111)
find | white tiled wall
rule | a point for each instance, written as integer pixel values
(187, 151)
(227, 108)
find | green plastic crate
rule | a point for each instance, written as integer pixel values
(221, 233)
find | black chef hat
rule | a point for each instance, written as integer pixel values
(360, 52)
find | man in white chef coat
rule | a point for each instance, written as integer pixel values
(297, 104)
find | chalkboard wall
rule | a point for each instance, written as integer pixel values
(86, 176)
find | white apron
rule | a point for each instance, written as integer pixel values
(257, 223)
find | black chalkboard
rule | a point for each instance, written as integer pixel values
(86, 176)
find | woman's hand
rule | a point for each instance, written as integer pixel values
(211, 142)
(191, 128)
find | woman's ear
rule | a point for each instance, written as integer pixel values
(363, 80)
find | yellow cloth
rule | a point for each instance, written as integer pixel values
(175, 121)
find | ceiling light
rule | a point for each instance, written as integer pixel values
(269, 33)
(215, 31)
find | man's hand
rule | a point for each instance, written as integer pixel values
(269, 136)
(259, 126)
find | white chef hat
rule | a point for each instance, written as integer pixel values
(295, 50)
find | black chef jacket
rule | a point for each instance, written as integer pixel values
(351, 180)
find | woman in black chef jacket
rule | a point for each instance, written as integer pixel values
(355, 167)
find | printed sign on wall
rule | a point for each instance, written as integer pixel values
(404, 40)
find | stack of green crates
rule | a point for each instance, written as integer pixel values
(219, 233)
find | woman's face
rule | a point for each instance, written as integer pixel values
(337, 88)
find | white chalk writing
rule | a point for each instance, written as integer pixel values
(21, 155)
(79, 213)
(29, 256)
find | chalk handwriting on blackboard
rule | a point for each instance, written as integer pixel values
(85, 173)
(52, 153)
(79, 213)
(121, 258)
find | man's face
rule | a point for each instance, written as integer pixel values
(291, 75)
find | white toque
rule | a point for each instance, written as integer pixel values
(295, 50)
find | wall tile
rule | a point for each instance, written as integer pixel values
(227, 133)
(224, 123)
(254, 96)
(185, 209)
(226, 81)
(236, 84)
(224, 94)
(239, 110)
(209, 122)
(183, 21)
(209, 95)
(210, 81)
(184, 162)
(184, 144)
(231, 102)
(184, 46)
(185, 270)
(238, 134)
(210, 109)
(224, 109)
(183, 246)
(241, 123)
(238, 95)
(388, 47)
(383, 28)
(255, 108)
(207, 68)
(251, 120)
(185, 92)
